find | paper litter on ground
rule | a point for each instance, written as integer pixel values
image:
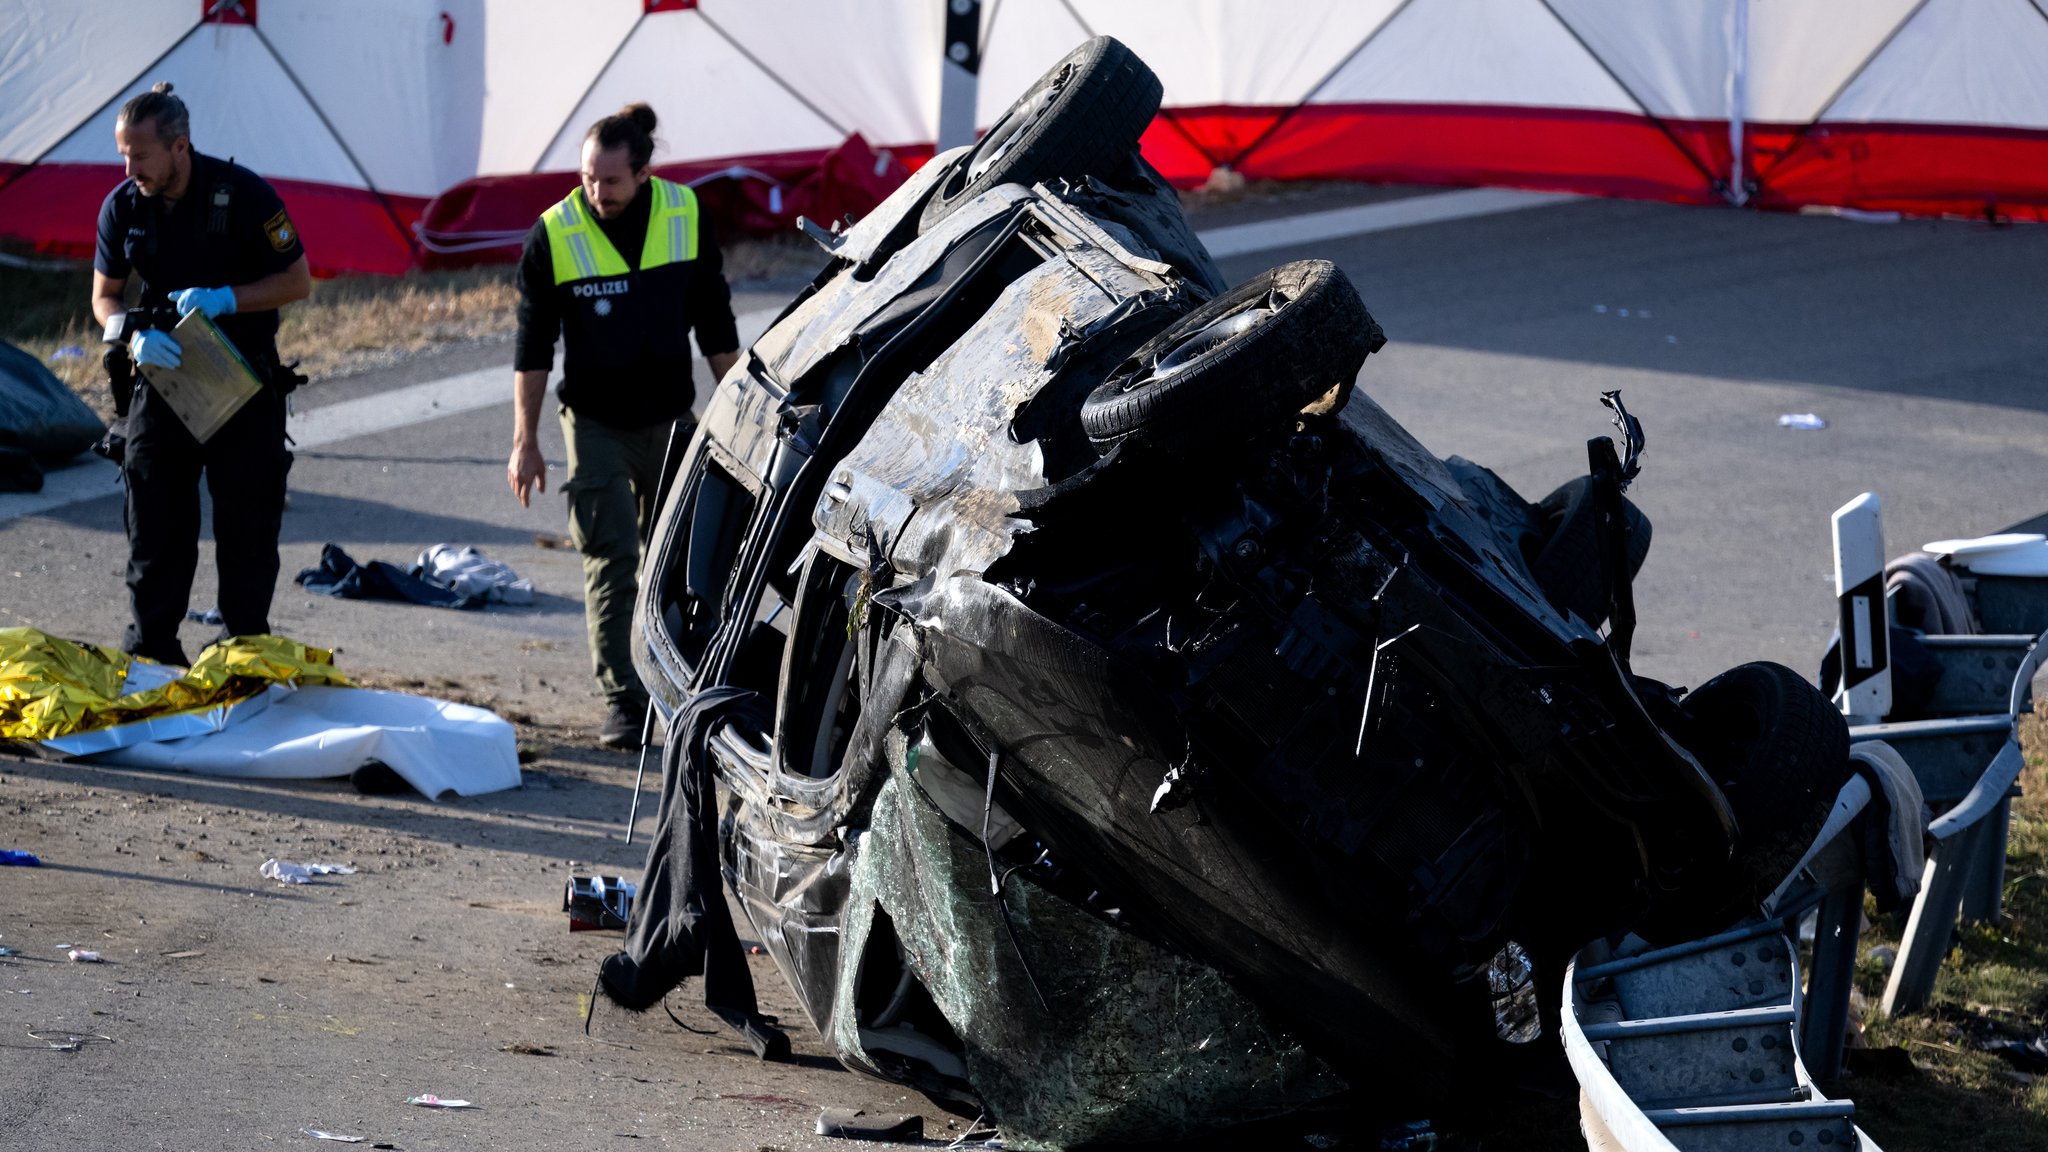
(286, 872)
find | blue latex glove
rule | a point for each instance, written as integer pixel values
(155, 349)
(212, 301)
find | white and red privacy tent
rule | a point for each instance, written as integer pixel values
(1926, 106)
(363, 112)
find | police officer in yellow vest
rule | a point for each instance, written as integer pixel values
(623, 268)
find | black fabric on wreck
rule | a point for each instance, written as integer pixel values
(680, 925)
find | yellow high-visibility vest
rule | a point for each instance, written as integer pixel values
(581, 251)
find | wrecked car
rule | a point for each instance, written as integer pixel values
(1111, 721)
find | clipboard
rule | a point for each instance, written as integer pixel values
(211, 382)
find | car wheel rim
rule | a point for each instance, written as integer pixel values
(999, 140)
(1203, 341)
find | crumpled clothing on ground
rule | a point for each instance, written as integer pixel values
(51, 687)
(340, 575)
(468, 572)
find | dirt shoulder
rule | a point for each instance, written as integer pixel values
(236, 1011)
(351, 325)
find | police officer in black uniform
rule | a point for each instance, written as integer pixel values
(621, 272)
(211, 236)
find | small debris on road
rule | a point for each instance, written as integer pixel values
(1805, 421)
(859, 1124)
(63, 1041)
(1411, 1136)
(317, 1134)
(286, 872)
(432, 1101)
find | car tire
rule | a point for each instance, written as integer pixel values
(1083, 116)
(1238, 365)
(1779, 752)
(1568, 564)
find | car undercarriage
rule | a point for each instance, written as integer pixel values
(1111, 721)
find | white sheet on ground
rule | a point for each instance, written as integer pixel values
(437, 746)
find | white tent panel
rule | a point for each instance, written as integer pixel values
(1980, 62)
(1673, 55)
(538, 57)
(1801, 54)
(1229, 52)
(1020, 40)
(872, 67)
(1476, 52)
(369, 66)
(456, 83)
(242, 105)
(712, 101)
(59, 61)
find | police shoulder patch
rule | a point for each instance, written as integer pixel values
(279, 229)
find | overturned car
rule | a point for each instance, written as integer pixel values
(1112, 721)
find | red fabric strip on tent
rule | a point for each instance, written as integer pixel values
(1556, 149)
(1916, 169)
(56, 206)
(485, 220)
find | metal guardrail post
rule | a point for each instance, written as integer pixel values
(1957, 836)
(1931, 927)
(1825, 1029)
(1984, 895)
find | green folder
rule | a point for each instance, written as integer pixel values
(211, 382)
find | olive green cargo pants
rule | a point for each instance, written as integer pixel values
(614, 475)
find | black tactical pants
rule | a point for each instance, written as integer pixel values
(245, 465)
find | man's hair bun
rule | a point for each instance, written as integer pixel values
(631, 127)
(158, 107)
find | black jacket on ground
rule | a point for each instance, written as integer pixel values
(626, 355)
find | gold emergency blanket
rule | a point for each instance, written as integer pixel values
(52, 687)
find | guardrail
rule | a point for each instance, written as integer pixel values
(1966, 758)
(1717, 1043)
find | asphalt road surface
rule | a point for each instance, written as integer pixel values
(1921, 344)
(238, 1013)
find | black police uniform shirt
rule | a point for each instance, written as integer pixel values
(628, 363)
(176, 248)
